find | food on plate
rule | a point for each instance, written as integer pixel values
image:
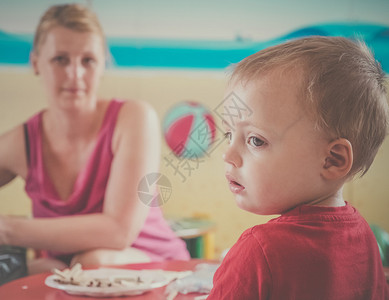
(77, 276)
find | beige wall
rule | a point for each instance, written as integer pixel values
(205, 192)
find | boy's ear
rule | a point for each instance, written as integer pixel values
(339, 159)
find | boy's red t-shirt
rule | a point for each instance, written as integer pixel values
(310, 252)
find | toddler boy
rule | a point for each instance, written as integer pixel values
(317, 116)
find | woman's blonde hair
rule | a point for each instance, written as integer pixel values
(342, 87)
(72, 16)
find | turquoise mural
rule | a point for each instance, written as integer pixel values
(201, 54)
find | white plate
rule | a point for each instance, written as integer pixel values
(153, 279)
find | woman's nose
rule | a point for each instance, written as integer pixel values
(75, 70)
(232, 156)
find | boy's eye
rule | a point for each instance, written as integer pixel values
(227, 135)
(256, 142)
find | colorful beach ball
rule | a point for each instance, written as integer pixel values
(189, 129)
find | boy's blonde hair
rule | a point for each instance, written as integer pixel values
(71, 16)
(342, 86)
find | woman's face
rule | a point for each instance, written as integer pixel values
(70, 64)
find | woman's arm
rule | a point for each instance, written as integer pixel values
(13, 160)
(136, 148)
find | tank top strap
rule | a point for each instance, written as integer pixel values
(33, 137)
(26, 143)
(110, 118)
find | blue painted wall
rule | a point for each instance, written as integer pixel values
(205, 35)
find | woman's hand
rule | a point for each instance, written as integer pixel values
(3, 227)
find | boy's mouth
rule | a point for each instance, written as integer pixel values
(235, 187)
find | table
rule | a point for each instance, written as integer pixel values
(33, 287)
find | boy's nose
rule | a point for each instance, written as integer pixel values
(232, 156)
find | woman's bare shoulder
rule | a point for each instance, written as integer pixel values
(136, 119)
(137, 107)
(136, 113)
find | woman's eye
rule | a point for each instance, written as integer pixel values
(256, 142)
(62, 60)
(88, 60)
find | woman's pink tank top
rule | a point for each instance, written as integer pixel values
(156, 238)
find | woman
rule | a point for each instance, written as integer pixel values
(82, 158)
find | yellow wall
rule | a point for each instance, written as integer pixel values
(205, 192)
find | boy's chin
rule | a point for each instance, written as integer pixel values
(258, 210)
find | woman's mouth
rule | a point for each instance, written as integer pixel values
(74, 90)
(235, 187)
